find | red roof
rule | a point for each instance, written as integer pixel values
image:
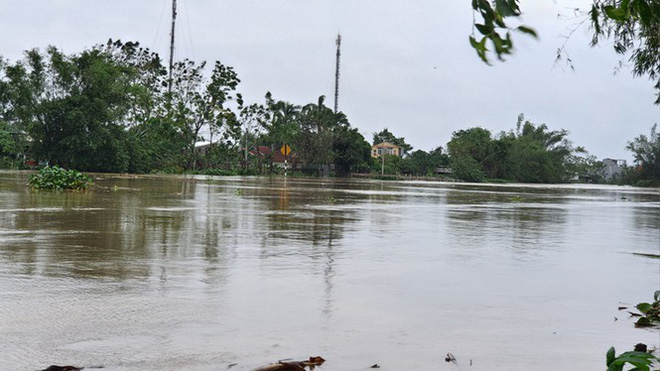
(277, 156)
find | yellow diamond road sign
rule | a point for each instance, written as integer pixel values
(286, 150)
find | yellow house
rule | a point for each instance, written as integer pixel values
(386, 148)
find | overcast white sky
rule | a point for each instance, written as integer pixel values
(406, 65)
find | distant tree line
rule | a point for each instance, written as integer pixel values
(531, 154)
(646, 154)
(113, 108)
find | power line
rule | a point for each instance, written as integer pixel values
(186, 13)
(160, 21)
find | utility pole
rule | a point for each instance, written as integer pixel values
(169, 81)
(337, 73)
(245, 166)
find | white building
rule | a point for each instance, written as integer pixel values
(612, 168)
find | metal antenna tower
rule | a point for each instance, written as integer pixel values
(169, 82)
(337, 73)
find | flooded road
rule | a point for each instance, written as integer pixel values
(200, 273)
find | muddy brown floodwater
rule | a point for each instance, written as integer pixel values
(199, 273)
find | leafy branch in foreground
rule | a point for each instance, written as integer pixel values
(493, 27)
(633, 27)
(56, 178)
(641, 360)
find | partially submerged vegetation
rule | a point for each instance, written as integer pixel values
(649, 315)
(56, 178)
(290, 365)
(641, 358)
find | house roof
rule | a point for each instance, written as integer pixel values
(277, 156)
(385, 145)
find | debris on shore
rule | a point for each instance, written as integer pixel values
(293, 365)
(62, 368)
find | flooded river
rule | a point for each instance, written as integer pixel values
(206, 273)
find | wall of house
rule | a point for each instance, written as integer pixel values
(612, 168)
(377, 150)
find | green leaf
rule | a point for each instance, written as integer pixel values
(645, 12)
(499, 21)
(624, 5)
(483, 29)
(480, 47)
(656, 295)
(616, 14)
(611, 355)
(638, 359)
(506, 8)
(473, 42)
(644, 307)
(500, 48)
(514, 6)
(484, 4)
(527, 30)
(643, 322)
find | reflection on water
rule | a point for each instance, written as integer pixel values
(150, 273)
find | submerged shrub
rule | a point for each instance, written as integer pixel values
(59, 179)
(468, 169)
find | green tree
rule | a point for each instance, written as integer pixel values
(475, 144)
(646, 153)
(69, 105)
(535, 154)
(197, 105)
(439, 157)
(386, 136)
(283, 126)
(468, 169)
(7, 143)
(10, 150)
(108, 108)
(418, 163)
(154, 141)
(8, 134)
(10, 143)
(532, 154)
(147, 78)
(422, 163)
(352, 153)
(315, 138)
(252, 120)
(387, 165)
(76, 108)
(583, 165)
